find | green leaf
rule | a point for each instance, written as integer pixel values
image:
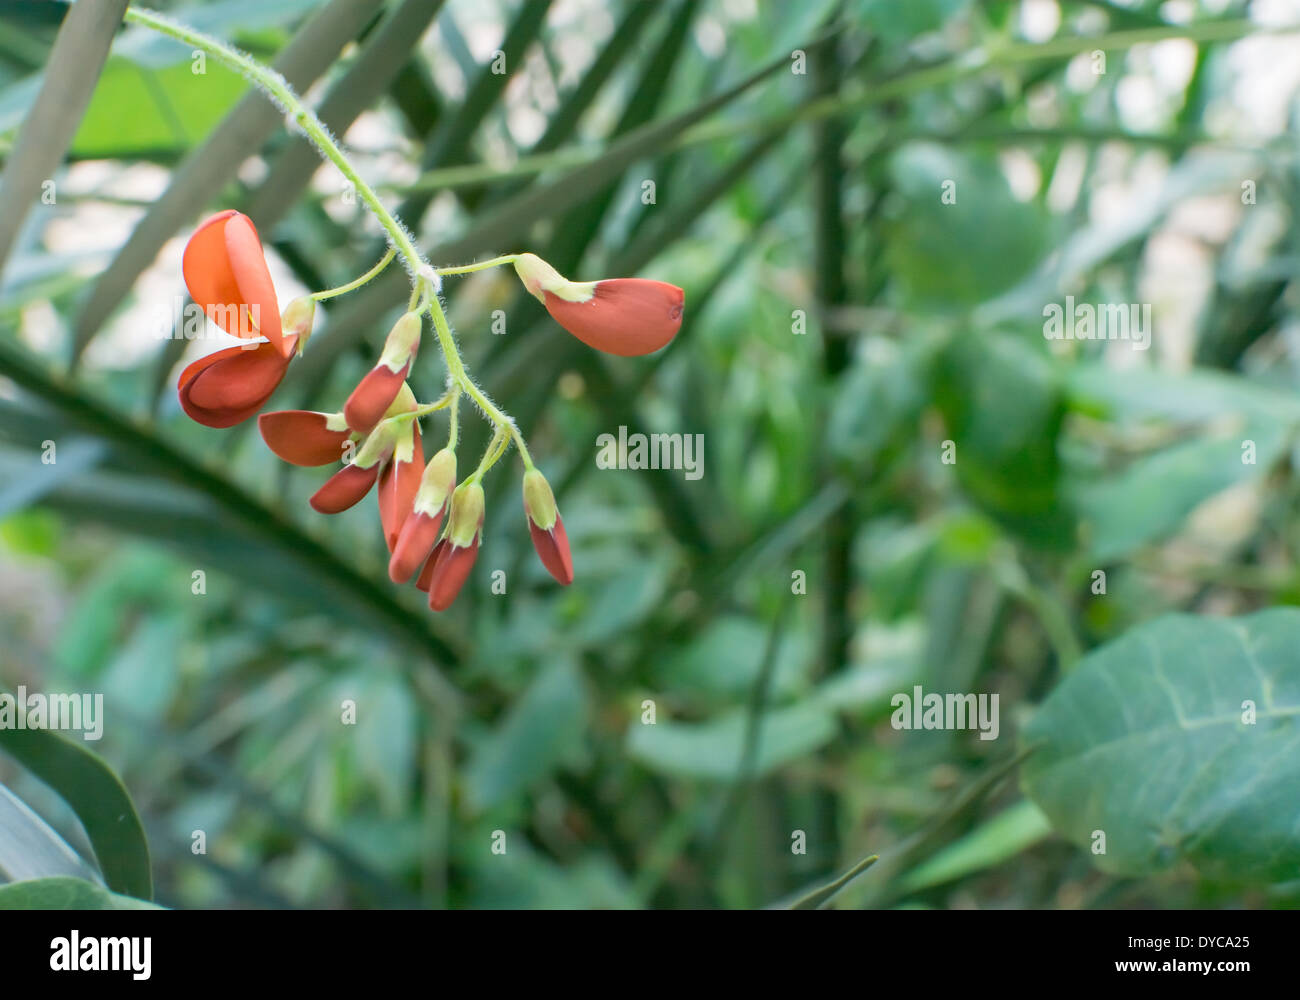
(541, 730)
(714, 749)
(1152, 497)
(1003, 404)
(30, 848)
(64, 893)
(990, 844)
(930, 240)
(98, 798)
(1147, 742)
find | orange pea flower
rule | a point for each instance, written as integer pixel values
(229, 386)
(226, 273)
(374, 394)
(623, 316)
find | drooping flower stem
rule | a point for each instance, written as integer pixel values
(481, 265)
(352, 286)
(423, 275)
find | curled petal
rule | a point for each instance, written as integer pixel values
(303, 437)
(553, 549)
(624, 316)
(414, 543)
(373, 396)
(344, 489)
(450, 572)
(398, 484)
(229, 386)
(226, 273)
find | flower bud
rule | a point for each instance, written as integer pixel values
(377, 390)
(454, 556)
(547, 527)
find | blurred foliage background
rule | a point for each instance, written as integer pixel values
(844, 322)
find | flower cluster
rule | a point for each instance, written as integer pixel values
(432, 525)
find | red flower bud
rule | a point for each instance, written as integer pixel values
(229, 386)
(399, 482)
(420, 530)
(304, 437)
(375, 393)
(455, 555)
(226, 273)
(547, 527)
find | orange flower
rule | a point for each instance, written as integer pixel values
(454, 556)
(420, 530)
(226, 273)
(623, 316)
(229, 386)
(305, 437)
(547, 527)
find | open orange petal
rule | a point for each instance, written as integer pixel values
(226, 273)
(229, 386)
(302, 437)
(344, 489)
(624, 316)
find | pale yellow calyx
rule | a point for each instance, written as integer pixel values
(336, 422)
(436, 483)
(539, 278)
(404, 441)
(539, 501)
(297, 319)
(401, 343)
(378, 445)
(403, 402)
(467, 506)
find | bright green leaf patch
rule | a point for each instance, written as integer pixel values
(1150, 742)
(64, 893)
(169, 109)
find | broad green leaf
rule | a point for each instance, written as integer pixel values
(1179, 742)
(98, 798)
(172, 108)
(64, 893)
(541, 730)
(30, 848)
(714, 749)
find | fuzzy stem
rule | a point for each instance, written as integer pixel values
(351, 286)
(282, 94)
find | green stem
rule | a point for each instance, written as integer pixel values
(456, 369)
(482, 265)
(495, 449)
(354, 285)
(281, 93)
